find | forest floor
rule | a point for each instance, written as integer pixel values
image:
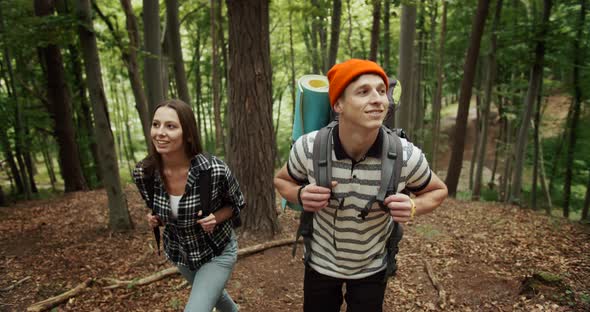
(481, 254)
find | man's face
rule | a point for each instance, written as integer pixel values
(364, 102)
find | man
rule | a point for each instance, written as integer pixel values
(346, 248)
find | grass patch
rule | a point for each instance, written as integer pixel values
(427, 231)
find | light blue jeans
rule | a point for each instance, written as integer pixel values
(208, 282)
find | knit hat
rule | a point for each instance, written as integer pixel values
(340, 75)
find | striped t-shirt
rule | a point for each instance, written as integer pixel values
(343, 244)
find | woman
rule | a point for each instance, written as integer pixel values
(202, 245)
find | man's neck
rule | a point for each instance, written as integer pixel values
(356, 141)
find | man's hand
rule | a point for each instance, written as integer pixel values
(153, 221)
(208, 223)
(315, 198)
(400, 207)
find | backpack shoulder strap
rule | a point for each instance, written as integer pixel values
(205, 186)
(149, 181)
(322, 155)
(322, 172)
(391, 164)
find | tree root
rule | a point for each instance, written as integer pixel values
(53, 301)
(442, 301)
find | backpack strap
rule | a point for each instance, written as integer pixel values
(205, 199)
(149, 183)
(322, 171)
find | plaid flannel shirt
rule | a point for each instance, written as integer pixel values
(184, 238)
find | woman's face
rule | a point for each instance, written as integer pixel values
(166, 131)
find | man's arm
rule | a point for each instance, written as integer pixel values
(313, 197)
(431, 196)
(427, 199)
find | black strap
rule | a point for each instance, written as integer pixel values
(150, 181)
(205, 199)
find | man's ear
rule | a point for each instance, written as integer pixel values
(338, 105)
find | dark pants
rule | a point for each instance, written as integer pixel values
(322, 293)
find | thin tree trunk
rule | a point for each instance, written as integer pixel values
(537, 124)
(141, 103)
(60, 110)
(578, 63)
(349, 36)
(119, 218)
(175, 43)
(292, 58)
(216, 79)
(455, 164)
(586, 200)
(152, 59)
(375, 30)
(387, 39)
(48, 164)
(533, 89)
(334, 34)
(406, 56)
(315, 30)
(490, 82)
(252, 140)
(544, 187)
(8, 156)
(436, 106)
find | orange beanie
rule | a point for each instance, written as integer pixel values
(340, 75)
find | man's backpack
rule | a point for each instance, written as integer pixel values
(391, 164)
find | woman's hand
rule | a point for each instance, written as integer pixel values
(208, 223)
(153, 221)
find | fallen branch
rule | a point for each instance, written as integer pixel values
(115, 283)
(442, 302)
(264, 246)
(15, 284)
(244, 252)
(53, 301)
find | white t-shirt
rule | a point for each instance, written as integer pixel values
(174, 200)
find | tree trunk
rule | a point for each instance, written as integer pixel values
(334, 34)
(544, 186)
(87, 143)
(48, 164)
(8, 156)
(454, 169)
(578, 63)
(119, 218)
(375, 30)
(387, 39)
(586, 200)
(252, 138)
(349, 35)
(437, 103)
(61, 110)
(533, 89)
(141, 104)
(292, 58)
(536, 124)
(216, 79)
(406, 56)
(490, 81)
(152, 59)
(175, 44)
